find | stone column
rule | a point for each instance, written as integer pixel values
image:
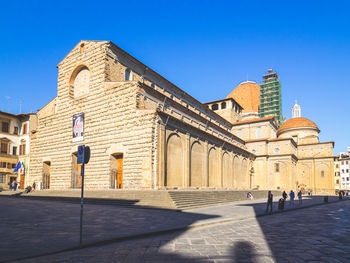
(205, 170)
(220, 151)
(161, 156)
(186, 160)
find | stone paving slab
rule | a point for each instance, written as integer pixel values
(39, 227)
(317, 234)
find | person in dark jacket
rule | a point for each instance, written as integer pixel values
(291, 196)
(300, 197)
(284, 195)
(269, 202)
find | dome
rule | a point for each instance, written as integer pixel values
(298, 122)
(247, 94)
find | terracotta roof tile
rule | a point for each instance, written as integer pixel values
(247, 94)
(297, 122)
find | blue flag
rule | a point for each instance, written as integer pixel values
(19, 165)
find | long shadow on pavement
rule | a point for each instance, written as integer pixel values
(30, 227)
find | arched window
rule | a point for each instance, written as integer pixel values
(81, 82)
(223, 105)
(215, 107)
(128, 74)
(277, 167)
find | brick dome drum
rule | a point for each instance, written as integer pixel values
(298, 122)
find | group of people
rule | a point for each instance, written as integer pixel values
(14, 185)
(30, 188)
(283, 199)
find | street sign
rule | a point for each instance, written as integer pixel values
(82, 158)
(83, 154)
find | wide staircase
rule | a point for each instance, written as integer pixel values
(188, 199)
(160, 199)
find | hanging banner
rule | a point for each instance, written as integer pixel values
(78, 127)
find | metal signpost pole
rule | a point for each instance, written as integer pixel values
(81, 204)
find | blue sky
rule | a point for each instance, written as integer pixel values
(205, 47)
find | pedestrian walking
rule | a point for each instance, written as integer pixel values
(250, 196)
(291, 196)
(300, 197)
(284, 195)
(34, 184)
(340, 195)
(269, 202)
(15, 186)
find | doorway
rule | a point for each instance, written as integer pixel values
(46, 175)
(76, 172)
(116, 178)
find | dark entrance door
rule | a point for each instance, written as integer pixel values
(116, 179)
(46, 175)
(76, 172)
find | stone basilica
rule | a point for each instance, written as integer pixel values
(146, 133)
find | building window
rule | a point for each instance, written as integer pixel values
(5, 127)
(342, 162)
(346, 162)
(2, 178)
(25, 128)
(337, 166)
(2, 164)
(277, 167)
(14, 150)
(22, 149)
(15, 131)
(347, 170)
(82, 48)
(223, 105)
(277, 150)
(253, 151)
(347, 179)
(337, 182)
(128, 74)
(342, 170)
(258, 132)
(4, 147)
(322, 173)
(14, 165)
(215, 107)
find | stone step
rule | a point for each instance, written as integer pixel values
(194, 199)
(163, 199)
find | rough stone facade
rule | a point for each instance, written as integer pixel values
(135, 114)
(146, 133)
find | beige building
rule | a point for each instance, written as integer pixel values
(15, 147)
(337, 177)
(146, 133)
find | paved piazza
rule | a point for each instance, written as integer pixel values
(314, 234)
